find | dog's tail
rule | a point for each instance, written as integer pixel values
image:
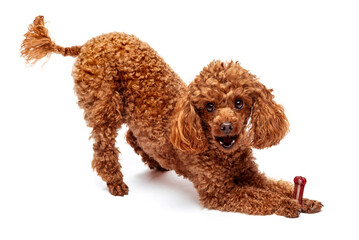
(38, 44)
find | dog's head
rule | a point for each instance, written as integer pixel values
(227, 106)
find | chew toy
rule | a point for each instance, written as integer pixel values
(299, 184)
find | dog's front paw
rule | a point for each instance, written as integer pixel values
(289, 208)
(118, 188)
(311, 206)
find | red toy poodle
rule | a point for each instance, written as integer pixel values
(204, 132)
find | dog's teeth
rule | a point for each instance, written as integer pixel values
(220, 142)
(233, 141)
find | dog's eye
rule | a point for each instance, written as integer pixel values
(210, 107)
(239, 104)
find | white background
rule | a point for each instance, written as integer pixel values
(307, 51)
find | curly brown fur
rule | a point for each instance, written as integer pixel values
(204, 132)
(152, 164)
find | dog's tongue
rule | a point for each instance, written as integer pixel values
(227, 140)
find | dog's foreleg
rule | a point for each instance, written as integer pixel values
(246, 199)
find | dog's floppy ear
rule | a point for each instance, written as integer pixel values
(187, 133)
(268, 122)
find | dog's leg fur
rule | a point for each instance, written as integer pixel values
(105, 161)
(280, 187)
(103, 110)
(249, 200)
(152, 164)
(260, 197)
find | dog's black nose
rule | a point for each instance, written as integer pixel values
(226, 127)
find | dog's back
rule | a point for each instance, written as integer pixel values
(119, 62)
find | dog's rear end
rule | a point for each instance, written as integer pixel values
(118, 80)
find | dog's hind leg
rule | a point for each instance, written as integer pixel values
(152, 164)
(103, 108)
(107, 120)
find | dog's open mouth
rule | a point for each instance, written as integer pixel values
(227, 142)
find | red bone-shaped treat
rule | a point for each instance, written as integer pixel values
(299, 183)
